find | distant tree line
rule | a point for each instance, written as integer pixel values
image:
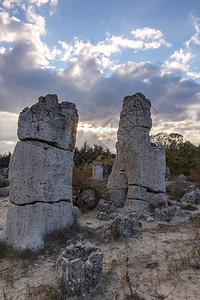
(181, 157)
(88, 154)
(4, 160)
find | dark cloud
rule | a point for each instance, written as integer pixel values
(97, 97)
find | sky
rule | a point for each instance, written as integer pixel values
(94, 53)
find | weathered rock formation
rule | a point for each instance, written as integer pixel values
(123, 226)
(138, 174)
(79, 268)
(41, 173)
(97, 171)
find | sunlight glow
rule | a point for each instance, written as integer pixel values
(102, 130)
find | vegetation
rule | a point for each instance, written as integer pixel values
(181, 157)
(84, 158)
(4, 160)
(90, 154)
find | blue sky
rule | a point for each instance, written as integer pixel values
(94, 53)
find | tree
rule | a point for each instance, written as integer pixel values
(5, 160)
(181, 157)
(88, 154)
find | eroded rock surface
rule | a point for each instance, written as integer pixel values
(79, 268)
(49, 121)
(105, 210)
(192, 197)
(123, 226)
(40, 174)
(138, 174)
(87, 199)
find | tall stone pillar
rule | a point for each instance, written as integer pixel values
(138, 174)
(40, 174)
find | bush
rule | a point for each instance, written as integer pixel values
(176, 189)
(82, 179)
(5, 160)
(195, 174)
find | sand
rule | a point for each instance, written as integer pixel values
(162, 263)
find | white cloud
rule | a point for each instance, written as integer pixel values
(195, 39)
(37, 20)
(114, 44)
(82, 74)
(8, 4)
(147, 33)
(11, 3)
(38, 2)
(103, 50)
(15, 19)
(2, 50)
(54, 2)
(179, 60)
(12, 31)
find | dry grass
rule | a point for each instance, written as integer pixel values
(162, 263)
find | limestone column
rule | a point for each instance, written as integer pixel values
(40, 174)
(138, 174)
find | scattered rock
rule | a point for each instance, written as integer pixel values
(40, 257)
(195, 217)
(166, 214)
(150, 219)
(192, 197)
(173, 202)
(105, 210)
(188, 206)
(121, 227)
(87, 199)
(4, 191)
(79, 269)
(182, 177)
(190, 189)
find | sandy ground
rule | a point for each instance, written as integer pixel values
(162, 263)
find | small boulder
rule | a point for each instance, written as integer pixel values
(166, 214)
(4, 191)
(87, 199)
(192, 197)
(79, 269)
(105, 210)
(121, 227)
(150, 219)
(188, 206)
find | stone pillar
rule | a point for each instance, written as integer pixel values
(138, 174)
(40, 174)
(97, 171)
